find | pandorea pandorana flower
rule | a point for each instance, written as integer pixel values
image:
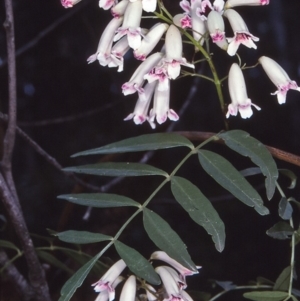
(119, 9)
(129, 289)
(216, 28)
(104, 295)
(69, 3)
(279, 78)
(233, 3)
(241, 33)
(238, 94)
(106, 281)
(131, 25)
(107, 4)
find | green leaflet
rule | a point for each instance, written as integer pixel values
(229, 177)
(200, 209)
(281, 230)
(166, 238)
(118, 169)
(81, 237)
(283, 281)
(248, 146)
(99, 200)
(138, 264)
(141, 143)
(266, 296)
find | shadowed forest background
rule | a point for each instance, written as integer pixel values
(67, 106)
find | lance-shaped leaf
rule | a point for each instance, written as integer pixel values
(53, 261)
(266, 296)
(283, 281)
(9, 245)
(200, 209)
(141, 143)
(166, 239)
(281, 230)
(229, 177)
(248, 146)
(76, 280)
(81, 237)
(99, 200)
(138, 264)
(285, 209)
(118, 169)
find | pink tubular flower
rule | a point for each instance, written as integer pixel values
(117, 54)
(161, 106)
(106, 281)
(140, 113)
(69, 3)
(106, 4)
(137, 79)
(174, 57)
(172, 289)
(241, 33)
(150, 41)
(163, 256)
(238, 94)
(216, 28)
(233, 3)
(119, 9)
(103, 52)
(129, 289)
(279, 78)
(104, 295)
(131, 25)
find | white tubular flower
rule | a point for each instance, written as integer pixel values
(131, 25)
(105, 283)
(106, 4)
(104, 295)
(150, 41)
(163, 256)
(140, 113)
(238, 94)
(117, 54)
(136, 81)
(170, 285)
(182, 20)
(181, 282)
(241, 33)
(216, 27)
(69, 3)
(161, 106)
(119, 9)
(105, 43)
(149, 5)
(129, 289)
(174, 52)
(150, 291)
(198, 24)
(233, 3)
(279, 78)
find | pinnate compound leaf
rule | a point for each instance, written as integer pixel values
(281, 230)
(266, 296)
(200, 209)
(248, 146)
(81, 237)
(283, 281)
(229, 177)
(99, 200)
(166, 239)
(141, 143)
(285, 209)
(118, 169)
(76, 280)
(138, 264)
(53, 261)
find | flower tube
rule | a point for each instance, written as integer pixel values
(233, 3)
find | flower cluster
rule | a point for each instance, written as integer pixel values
(151, 80)
(172, 276)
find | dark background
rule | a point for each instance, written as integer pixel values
(54, 81)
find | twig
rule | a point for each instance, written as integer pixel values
(14, 276)
(46, 31)
(7, 185)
